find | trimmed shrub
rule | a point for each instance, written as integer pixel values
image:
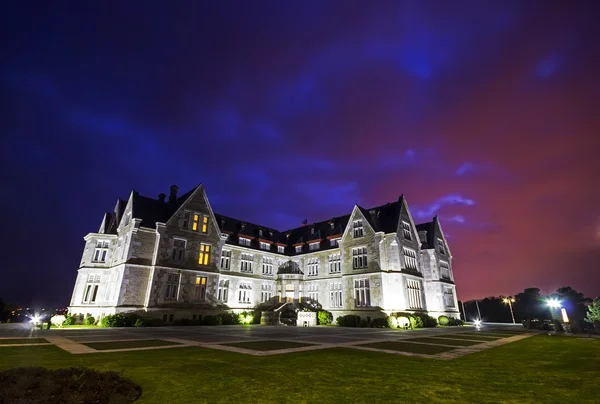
(380, 322)
(443, 320)
(67, 385)
(363, 323)
(212, 320)
(139, 323)
(455, 322)
(392, 322)
(229, 318)
(68, 320)
(324, 317)
(348, 321)
(416, 321)
(154, 322)
(429, 322)
(403, 322)
(90, 320)
(58, 320)
(246, 318)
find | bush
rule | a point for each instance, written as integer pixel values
(212, 320)
(455, 322)
(245, 318)
(443, 320)
(153, 322)
(229, 318)
(348, 321)
(68, 320)
(403, 322)
(90, 320)
(324, 317)
(429, 322)
(415, 322)
(392, 322)
(380, 322)
(363, 323)
(68, 386)
(58, 320)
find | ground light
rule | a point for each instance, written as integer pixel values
(477, 323)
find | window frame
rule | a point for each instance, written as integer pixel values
(358, 229)
(362, 293)
(360, 258)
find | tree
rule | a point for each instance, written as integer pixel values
(573, 301)
(593, 313)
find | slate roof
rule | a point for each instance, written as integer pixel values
(429, 228)
(382, 218)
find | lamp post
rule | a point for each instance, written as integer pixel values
(510, 301)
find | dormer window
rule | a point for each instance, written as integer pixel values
(406, 230)
(243, 227)
(280, 249)
(298, 248)
(331, 225)
(314, 246)
(334, 242)
(441, 246)
(222, 222)
(265, 246)
(260, 233)
(312, 230)
(245, 241)
(358, 228)
(101, 251)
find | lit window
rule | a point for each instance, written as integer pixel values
(172, 287)
(410, 259)
(223, 291)
(359, 257)
(90, 291)
(441, 246)
(200, 289)
(244, 292)
(246, 262)
(358, 228)
(335, 263)
(313, 246)
(313, 266)
(362, 293)
(280, 249)
(298, 248)
(265, 246)
(413, 289)
(195, 222)
(204, 224)
(267, 266)
(444, 270)
(335, 294)
(204, 256)
(225, 258)
(244, 241)
(178, 250)
(101, 251)
(406, 229)
(334, 242)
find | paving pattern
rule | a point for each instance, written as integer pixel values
(439, 343)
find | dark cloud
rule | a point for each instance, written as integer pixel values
(484, 113)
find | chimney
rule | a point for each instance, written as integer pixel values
(173, 194)
(161, 197)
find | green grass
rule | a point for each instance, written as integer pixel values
(454, 342)
(13, 341)
(490, 335)
(470, 337)
(102, 346)
(548, 369)
(406, 346)
(268, 345)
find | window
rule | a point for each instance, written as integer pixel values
(204, 224)
(91, 289)
(101, 251)
(406, 229)
(260, 233)
(441, 246)
(298, 248)
(185, 223)
(335, 294)
(225, 258)
(265, 246)
(124, 250)
(444, 270)
(335, 263)
(266, 292)
(127, 219)
(172, 286)
(223, 291)
(204, 256)
(244, 291)
(334, 242)
(359, 256)
(246, 262)
(410, 259)
(195, 222)
(448, 297)
(178, 250)
(313, 292)
(362, 293)
(244, 241)
(313, 266)
(413, 289)
(313, 246)
(358, 228)
(267, 266)
(280, 249)
(200, 289)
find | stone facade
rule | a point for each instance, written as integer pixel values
(177, 259)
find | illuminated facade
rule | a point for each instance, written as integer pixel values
(176, 258)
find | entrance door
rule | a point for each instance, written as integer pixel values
(289, 293)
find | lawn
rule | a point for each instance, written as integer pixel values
(13, 341)
(469, 337)
(103, 346)
(406, 346)
(442, 341)
(267, 345)
(548, 369)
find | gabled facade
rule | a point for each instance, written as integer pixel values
(176, 258)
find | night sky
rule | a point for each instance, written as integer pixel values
(484, 113)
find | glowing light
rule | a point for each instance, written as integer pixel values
(565, 318)
(35, 319)
(554, 303)
(507, 300)
(477, 323)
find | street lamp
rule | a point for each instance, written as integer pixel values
(554, 303)
(510, 301)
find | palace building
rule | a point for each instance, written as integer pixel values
(176, 259)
